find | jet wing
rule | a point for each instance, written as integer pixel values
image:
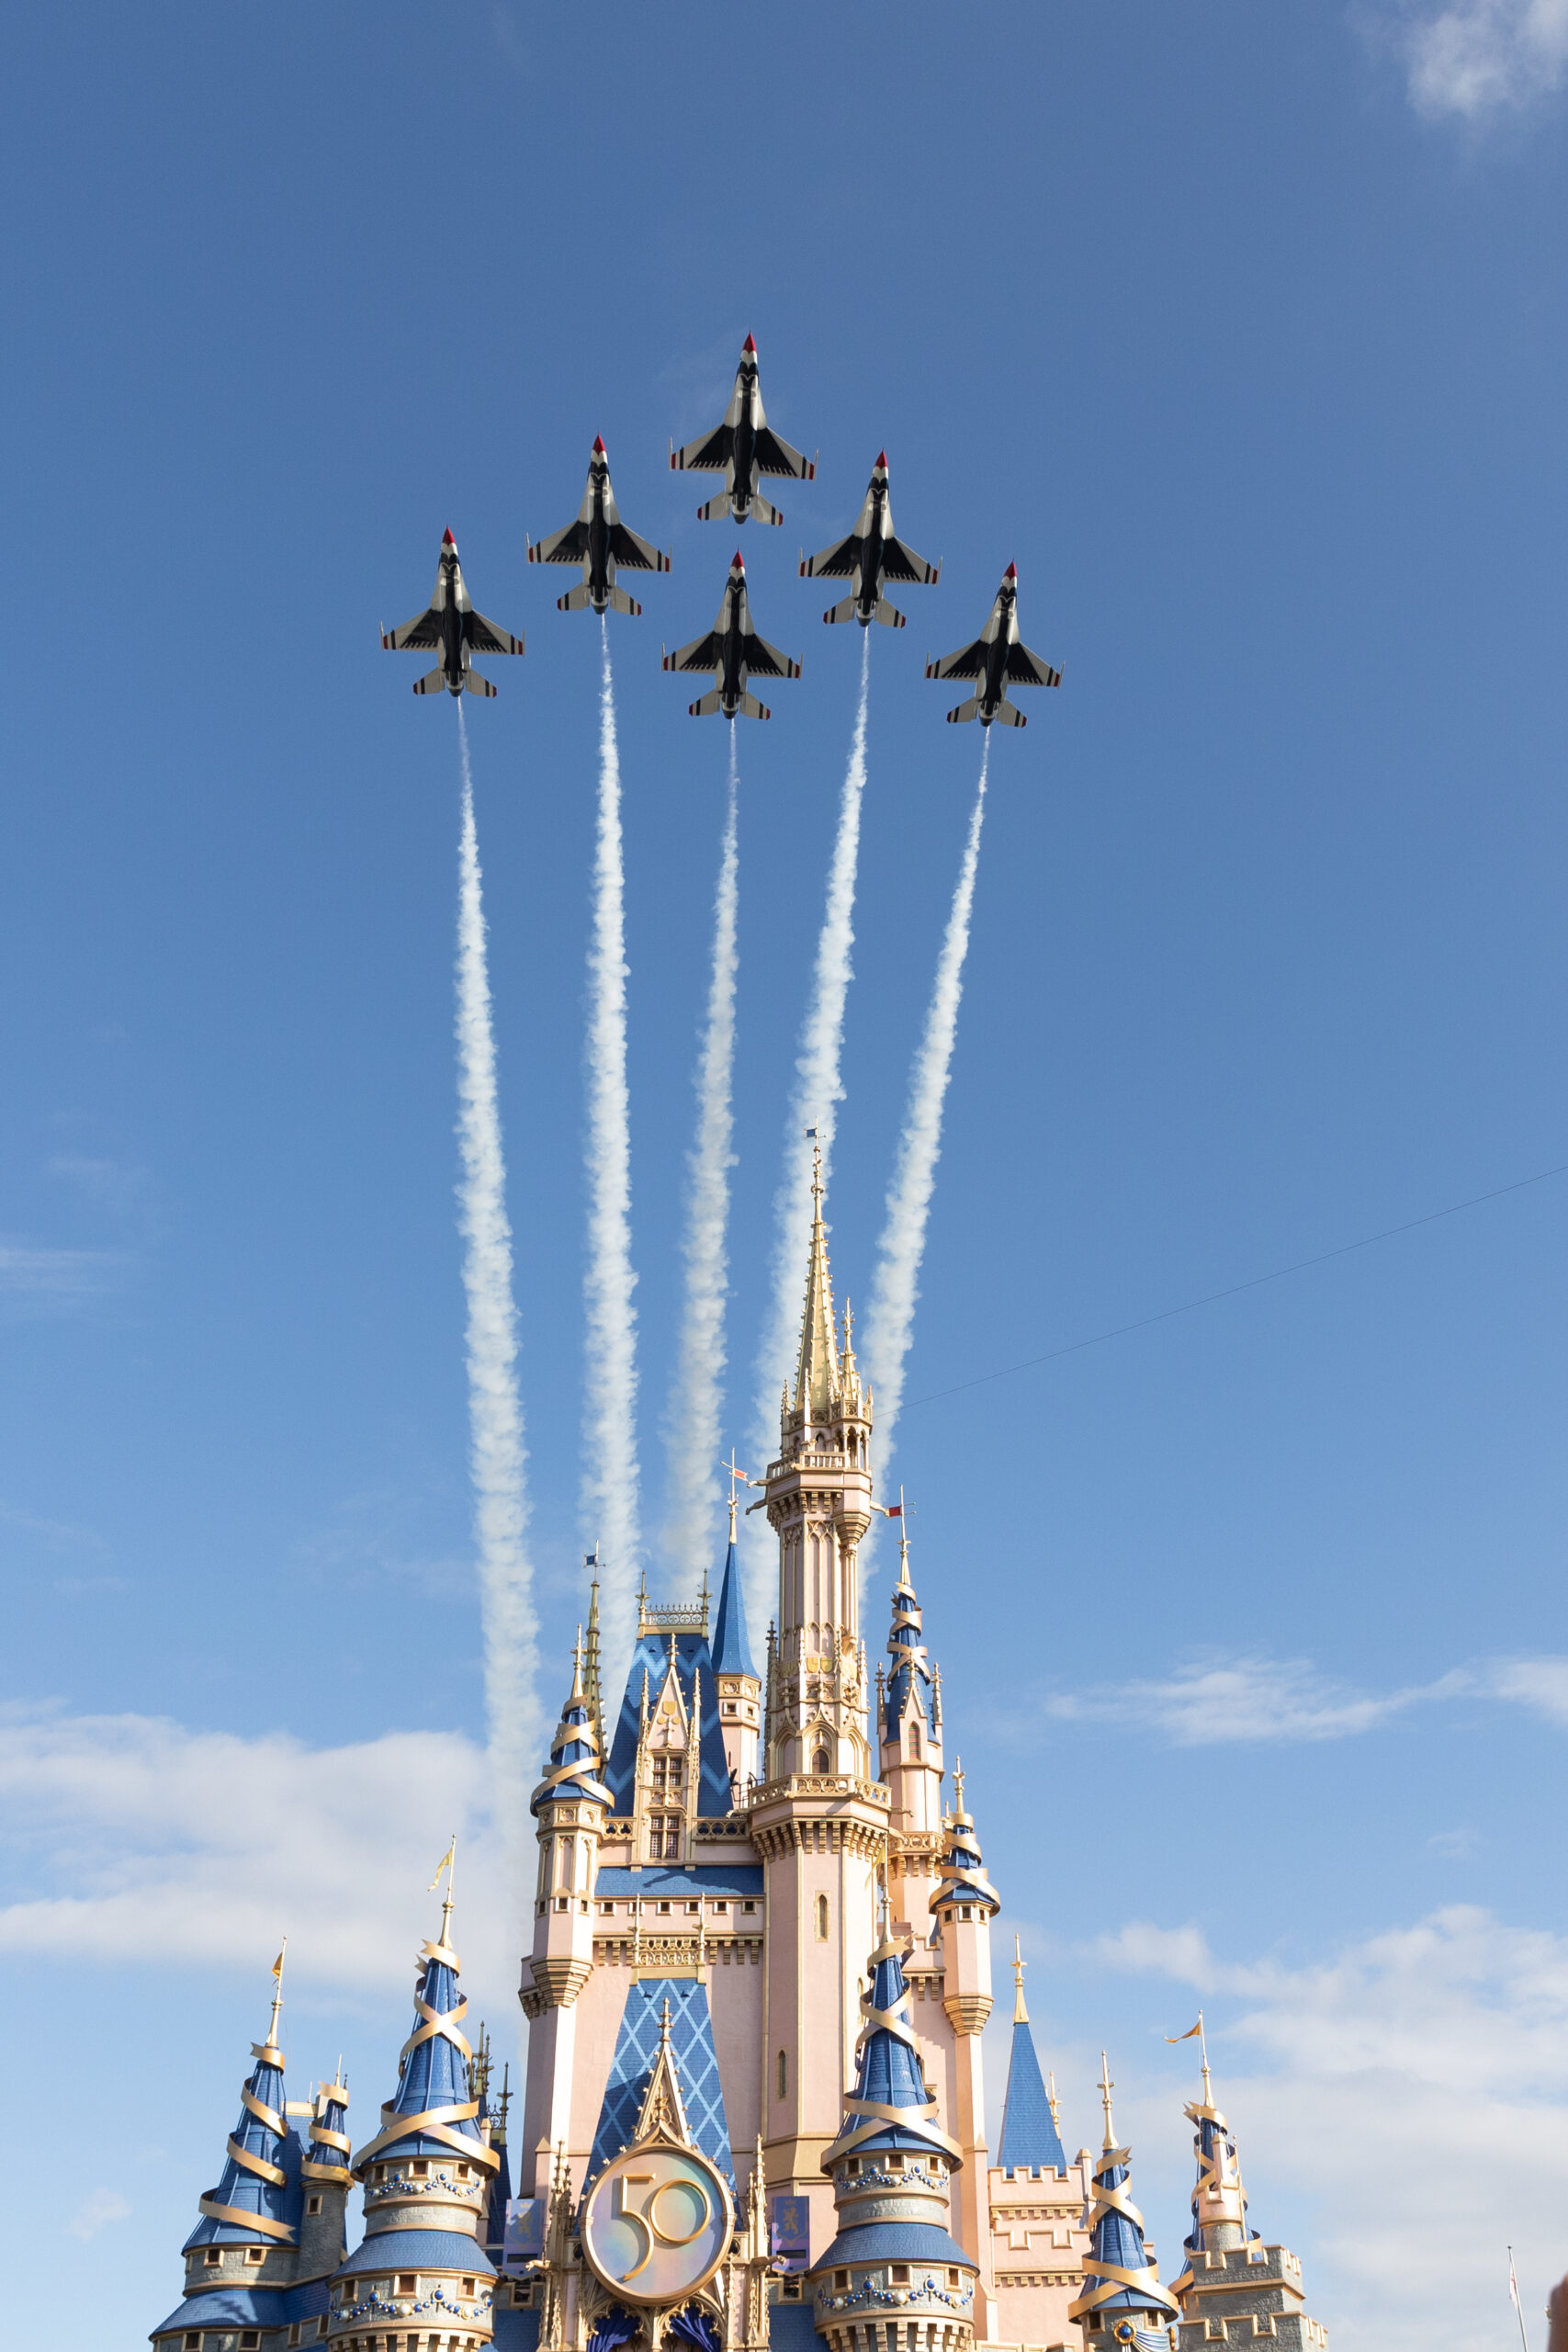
(710, 453)
(702, 653)
(899, 562)
(563, 547)
(484, 636)
(424, 629)
(636, 553)
(766, 657)
(776, 457)
(834, 563)
(1026, 669)
(968, 662)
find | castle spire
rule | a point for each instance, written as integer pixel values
(1219, 2200)
(252, 2203)
(591, 1654)
(817, 1372)
(576, 1758)
(431, 2112)
(1121, 2278)
(1030, 2141)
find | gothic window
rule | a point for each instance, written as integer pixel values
(819, 1763)
(784, 2074)
(914, 1739)
(821, 1918)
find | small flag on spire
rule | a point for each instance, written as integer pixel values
(446, 1863)
(277, 1969)
(1514, 2297)
(891, 1511)
(1190, 2035)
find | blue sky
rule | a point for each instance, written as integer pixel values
(1241, 332)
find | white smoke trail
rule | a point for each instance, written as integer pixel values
(694, 1427)
(497, 1453)
(610, 1475)
(818, 1089)
(890, 1322)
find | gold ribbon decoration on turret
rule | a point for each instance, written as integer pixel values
(273, 2174)
(910, 2117)
(259, 2222)
(267, 2115)
(1111, 2198)
(432, 2122)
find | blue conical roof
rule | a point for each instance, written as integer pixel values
(963, 1876)
(1120, 2277)
(910, 1673)
(576, 1764)
(431, 2112)
(256, 2200)
(889, 2075)
(1218, 2198)
(731, 1651)
(1030, 2142)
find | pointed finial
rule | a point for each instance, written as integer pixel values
(664, 2022)
(904, 1585)
(957, 1785)
(1106, 2087)
(1020, 2014)
(1052, 2102)
(577, 1669)
(816, 1175)
(276, 1995)
(448, 1864)
(736, 1478)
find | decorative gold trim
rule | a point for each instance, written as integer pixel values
(431, 2120)
(273, 2174)
(267, 2115)
(257, 2221)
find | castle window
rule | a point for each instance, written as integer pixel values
(840, 2280)
(294, 2333)
(821, 1918)
(405, 2282)
(692, 1908)
(255, 2253)
(467, 2286)
(606, 1910)
(747, 1907)
(784, 2074)
(729, 1706)
(968, 1910)
(899, 2274)
(895, 2164)
(312, 2204)
(819, 1763)
(250, 2339)
(664, 1907)
(721, 1906)
(193, 2344)
(952, 2278)
(914, 1739)
(421, 2168)
(462, 2172)
(214, 2257)
(380, 2172)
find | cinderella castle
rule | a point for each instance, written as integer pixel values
(755, 2108)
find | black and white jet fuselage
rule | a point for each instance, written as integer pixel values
(742, 449)
(868, 555)
(451, 624)
(731, 650)
(996, 660)
(599, 540)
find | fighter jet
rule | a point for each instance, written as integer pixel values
(454, 625)
(1000, 661)
(743, 449)
(731, 649)
(870, 555)
(599, 540)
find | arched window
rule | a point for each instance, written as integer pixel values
(784, 2074)
(914, 1739)
(819, 1763)
(821, 1918)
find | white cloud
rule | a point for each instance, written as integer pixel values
(58, 1277)
(103, 2205)
(1480, 58)
(1219, 1701)
(1406, 2113)
(130, 1832)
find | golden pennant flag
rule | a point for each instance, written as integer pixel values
(278, 1968)
(446, 1863)
(1192, 2033)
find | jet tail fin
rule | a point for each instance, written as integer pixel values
(762, 511)
(1010, 714)
(474, 684)
(888, 615)
(844, 612)
(707, 707)
(970, 710)
(751, 709)
(716, 510)
(575, 599)
(621, 603)
(433, 683)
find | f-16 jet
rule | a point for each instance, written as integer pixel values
(869, 556)
(599, 540)
(998, 660)
(742, 449)
(731, 650)
(454, 625)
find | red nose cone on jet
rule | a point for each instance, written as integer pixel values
(1012, 572)
(447, 540)
(881, 462)
(739, 562)
(599, 449)
(751, 345)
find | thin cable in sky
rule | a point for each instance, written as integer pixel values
(1233, 1290)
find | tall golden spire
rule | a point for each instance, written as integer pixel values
(271, 2042)
(1020, 2014)
(1106, 2087)
(816, 1376)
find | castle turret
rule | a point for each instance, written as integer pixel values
(427, 2177)
(1030, 2141)
(569, 1805)
(325, 2180)
(911, 1753)
(1038, 2200)
(1123, 2302)
(965, 1903)
(893, 2255)
(737, 1682)
(1234, 2287)
(820, 1819)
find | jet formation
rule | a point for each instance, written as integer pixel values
(744, 449)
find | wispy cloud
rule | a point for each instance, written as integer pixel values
(1476, 58)
(58, 1535)
(56, 1279)
(133, 1833)
(102, 2206)
(1221, 1702)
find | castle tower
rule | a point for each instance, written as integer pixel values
(426, 2179)
(893, 2258)
(911, 1753)
(271, 2232)
(1123, 2302)
(820, 1819)
(1037, 2200)
(569, 1805)
(1234, 2288)
(740, 1686)
(965, 1903)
